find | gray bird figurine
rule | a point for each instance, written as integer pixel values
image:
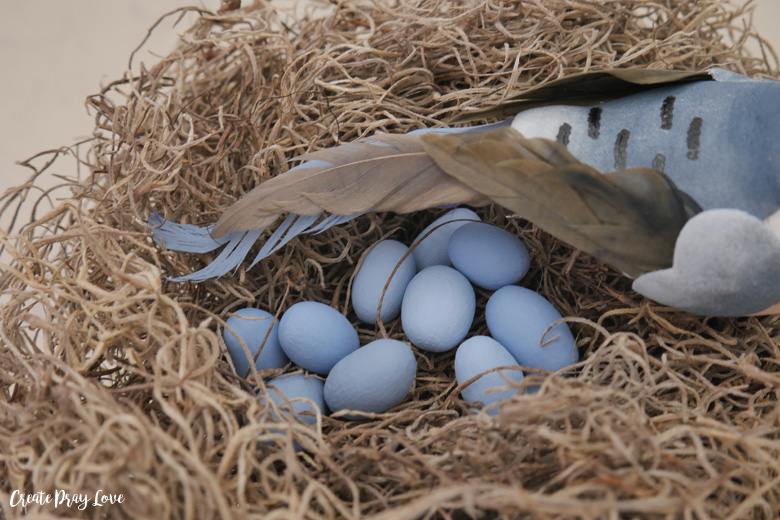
(671, 177)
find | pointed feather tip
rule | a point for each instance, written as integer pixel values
(193, 239)
(186, 238)
(228, 260)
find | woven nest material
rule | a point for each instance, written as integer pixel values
(115, 379)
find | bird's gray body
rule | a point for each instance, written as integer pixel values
(719, 141)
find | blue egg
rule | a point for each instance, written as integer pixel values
(288, 392)
(251, 325)
(372, 379)
(518, 317)
(292, 395)
(371, 278)
(316, 336)
(432, 250)
(438, 309)
(490, 256)
(481, 353)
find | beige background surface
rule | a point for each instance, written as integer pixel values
(54, 53)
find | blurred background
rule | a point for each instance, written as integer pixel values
(54, 53)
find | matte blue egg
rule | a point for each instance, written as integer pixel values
(287, 391)
(518, 317)
(438, 309)
(316, 336)
(251, 325)
(481, 353)
(372, 379)
(371, 278)
(490, 256)
(432, 250)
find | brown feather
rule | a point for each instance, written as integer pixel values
(365, 177)
(630, 218)
(585, 89)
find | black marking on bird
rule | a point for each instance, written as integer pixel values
(594, 122)
(694, 133)
(621, 149)
(667, 113)
(659, 162)
(564, 134)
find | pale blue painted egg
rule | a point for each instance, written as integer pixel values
(288, 392)
(432, 250)
(291, 394)
(316, 336)
(481, 353)
(251, 325)
(490, 256)
(518, 317)
(372, 379)
(438, 308)
(371, 278)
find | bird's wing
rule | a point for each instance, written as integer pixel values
(630, 218)
(382, 173)
(586, 89)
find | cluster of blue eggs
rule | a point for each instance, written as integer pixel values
(430, 286)
(319, 339)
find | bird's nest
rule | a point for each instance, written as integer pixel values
(115, 379)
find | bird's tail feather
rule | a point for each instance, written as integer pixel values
(382, 173)
(194, 239)
(186, 238)
(385, 172)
